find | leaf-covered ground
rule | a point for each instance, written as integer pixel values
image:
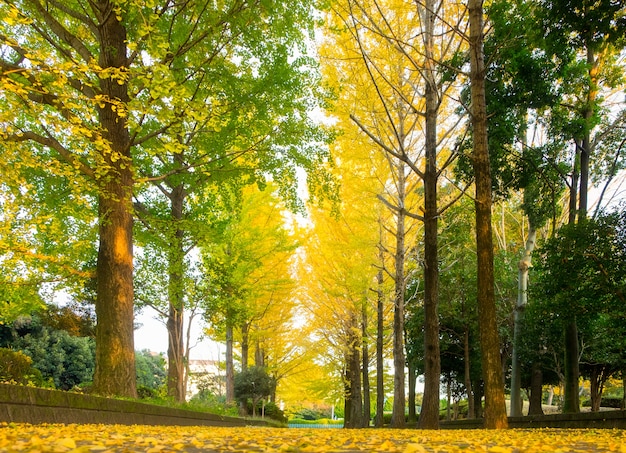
(118, 438)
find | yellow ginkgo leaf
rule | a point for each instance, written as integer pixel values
(66, 442)
(414, 448)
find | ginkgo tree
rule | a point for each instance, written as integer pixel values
(394, 92)
(257, 125)
(118, 92)
(247, 269)
(346, 273)
(65, 84)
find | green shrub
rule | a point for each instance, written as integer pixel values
(15, 366)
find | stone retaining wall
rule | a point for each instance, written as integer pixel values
(21, 404)
(604, 419)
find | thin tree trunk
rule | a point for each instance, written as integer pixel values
(245, 346)
(365, 366)
(623, 404)
(522, 298)
(398, 418)
(259, 355)
(595, 388)
(471, 411)
(448, 396)
(412, 414)
(115, 352)
(230, 366)
(495, 408)
(380, 343)
(571, 372)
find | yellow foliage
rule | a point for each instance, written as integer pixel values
(99, 438)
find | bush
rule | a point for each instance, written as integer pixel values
(615, 403)
(273, 412)
(210, 402)
(15, 366)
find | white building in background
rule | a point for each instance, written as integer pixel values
(206, 375)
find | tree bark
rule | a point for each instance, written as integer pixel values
(522, 298)
(596, 386)
(536, 391)
(230, 366)
(245, 345)
(412, 414)
(495, 409)
(354, 403)
(398, 418)
(175, 321)
(115, 352)
(571, 371)
(429, 416)
(365, 366)
(471, 411)
(380, 344)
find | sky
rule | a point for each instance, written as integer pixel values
(152, 335)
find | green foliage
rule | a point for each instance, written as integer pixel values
(574, 24)
(253, 383)
(15, 366)
(151, 372)
(580, 274)
(582, 270)
(210, 402)
(315, 421)
(69, 361)
(63, 359)
(267, 410)
(520, 90)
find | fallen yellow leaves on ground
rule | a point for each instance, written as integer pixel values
(16, 437)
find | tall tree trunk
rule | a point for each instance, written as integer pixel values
(467, 375)
(245, 345)
(398, 419)
(522, 298)
(175, 320)
(230, 366)
(429, 416)
(380, 344)
(571, 372)
(495, 408)
(536, 391)
(259, 355)
(580, 179)
(412, 414)
(115, 352)
(623, 404)
(367, 410)
(354, 403)
(448, 396)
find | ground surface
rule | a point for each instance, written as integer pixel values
(118, 438)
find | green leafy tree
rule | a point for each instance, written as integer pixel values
(151, 372)
(257, 128)
(253, 384)
(581, 276)
(585, 38)
(116, 94)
